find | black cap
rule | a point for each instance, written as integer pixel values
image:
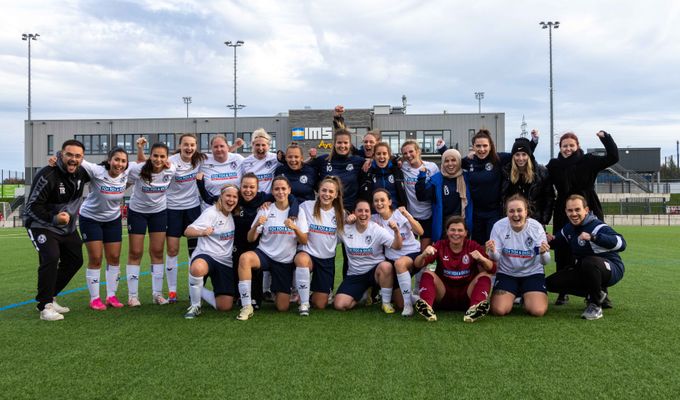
(523, 145)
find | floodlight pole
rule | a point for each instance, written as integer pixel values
(30, 37)
(479, 96)
(235, 106)
(550, 25)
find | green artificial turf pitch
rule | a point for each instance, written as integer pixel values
(152, 352)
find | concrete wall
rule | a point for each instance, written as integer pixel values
(643, 220)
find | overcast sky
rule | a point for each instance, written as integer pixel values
(616, 63)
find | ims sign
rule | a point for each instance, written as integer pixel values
(316, 133)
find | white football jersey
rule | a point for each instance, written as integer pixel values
(150, 197)
(322, 237)
(106, 193)
(419, 209)
(220, 243)
(217, 174)
(365, 249)
(183, 192)
(519, 251)
(264, 169)
(409, 242)
(276, 240)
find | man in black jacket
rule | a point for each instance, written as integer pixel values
(50, 218)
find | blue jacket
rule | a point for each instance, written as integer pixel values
(432, 190)
(302, 181)
(347, 168)
(605, 242)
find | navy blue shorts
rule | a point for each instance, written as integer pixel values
(221, 276)
(356, 285)
(178, 220)
(138, 222)
(520, 285)
(95, 231)
(282, 273)
(427, 227)
(323, 274)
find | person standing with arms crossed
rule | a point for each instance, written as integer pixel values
(50, 219)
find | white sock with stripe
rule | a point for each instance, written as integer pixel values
(92, 277)
(157, 279)
(133, 280)
(244, 288)
(171, 272)
(112, 278)
(195, 290)
(302, 282)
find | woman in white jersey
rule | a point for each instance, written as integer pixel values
(148, 209)
(520, 247)
(100, 224)
(213, 256)
(325, 218)
(279, 236)
(220, 168)
(401, 259)
(364, 241)
(421, 210)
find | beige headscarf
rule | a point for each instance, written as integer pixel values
(460, 181)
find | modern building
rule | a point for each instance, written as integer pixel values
(310, 128)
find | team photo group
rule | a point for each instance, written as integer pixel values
(469, 235)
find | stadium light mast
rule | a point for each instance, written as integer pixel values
(479, 96)
(28, 37)
(187, 101)
(550, 25)
(523, 126)
(235, 106)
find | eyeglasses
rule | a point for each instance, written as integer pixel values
(71, 155)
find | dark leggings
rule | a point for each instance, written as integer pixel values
(586, 278)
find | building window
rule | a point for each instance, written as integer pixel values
(129, 142)
(168, 139)
(471, 134)
(392, 138)
(247, 138)
(50, 145)
(94, 144)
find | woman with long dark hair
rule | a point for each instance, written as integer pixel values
(384, 173)
(574, 172)
(148, 209)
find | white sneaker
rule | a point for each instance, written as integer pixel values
(304, 309)
(160, 300)
(330, 297)
(193, 312)
(50, 314)
(60, 309)
(133, 302)
(407, 311)
(245, 314)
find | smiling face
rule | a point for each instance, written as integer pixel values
(342, 144)
(187, 147)
(576, 211)
(381, 156)
(248, 188)
(363, 213)
(382, 204)
(521, 159)
(568, 147)
(369, 142)
(220, 150)
(456, 233)
(280, 191)
(158, 157)
(229, 199)
(517, 214)
(450, 165)
(294, 158)
(71, 157)
(118, 163)
(482, 148)
(260, 147)
(328, 192)
(411, 155)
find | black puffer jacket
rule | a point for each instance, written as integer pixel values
(540, 192)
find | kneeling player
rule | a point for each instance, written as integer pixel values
(364, 241)
(462, 280)
(212, 256)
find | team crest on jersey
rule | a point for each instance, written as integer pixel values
(166, 178)
(488, 166)
(529, 242)
(303, 179)
(368, 239)
(349, 167)
(42, 239)
(390, 178)
(329, 168)
(581, 242)
(268, 164)
(233, 165)
(472, 168)
(466, 259)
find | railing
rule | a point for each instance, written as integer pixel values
(631, 177)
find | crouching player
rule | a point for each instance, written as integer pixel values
(212, 256)
(595, 245)
(462, 279)
(364, 241)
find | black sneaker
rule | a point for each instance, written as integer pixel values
(425, 310)
(562, 299)
(607, 302)
(476, 311)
